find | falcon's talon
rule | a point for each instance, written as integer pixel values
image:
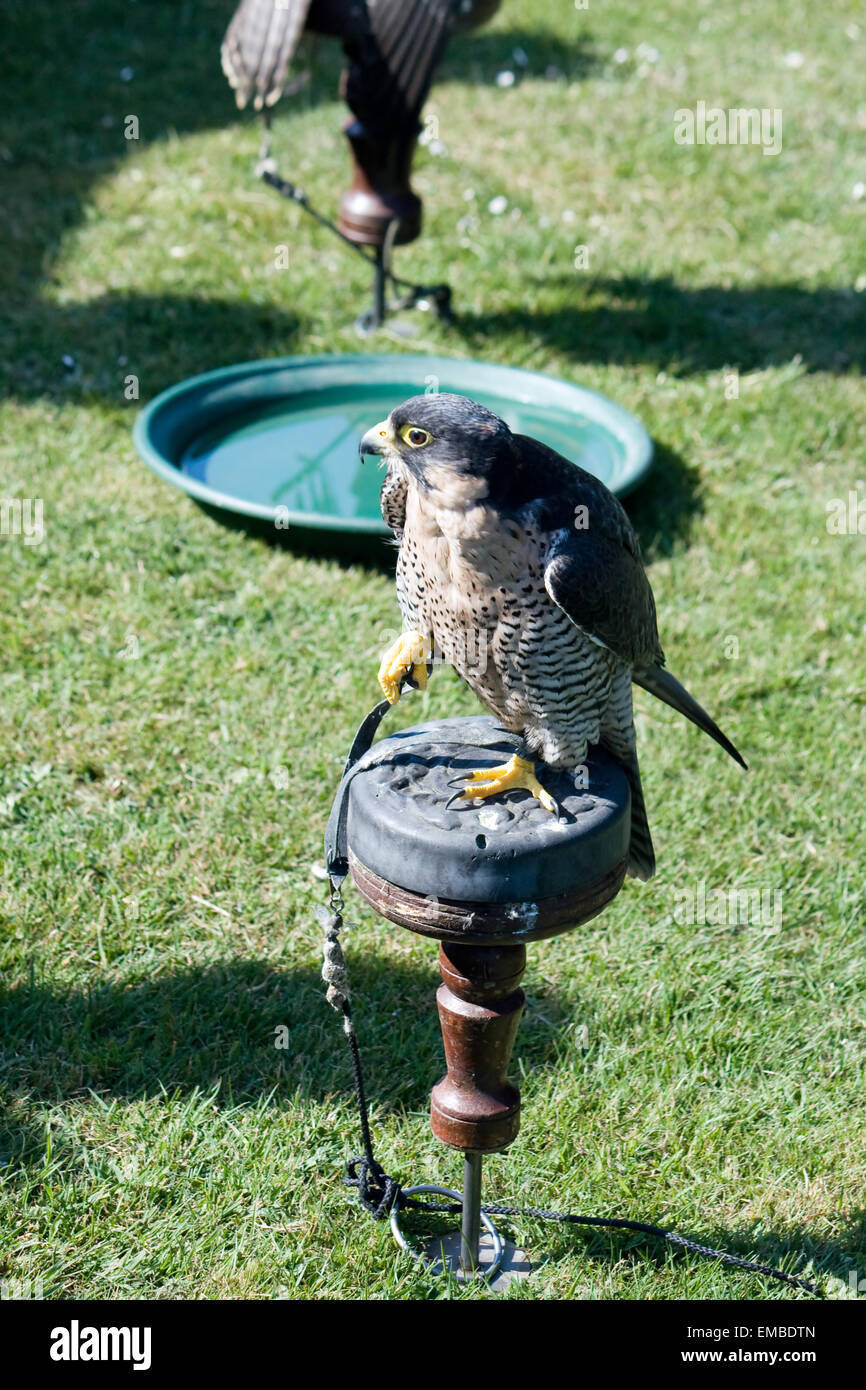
(407, 657)
(517, 774)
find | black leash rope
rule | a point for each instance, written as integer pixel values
(378, 1193)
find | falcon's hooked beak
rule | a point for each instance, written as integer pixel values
(379, 440)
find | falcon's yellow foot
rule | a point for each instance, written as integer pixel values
(517, 772)
(408, 656)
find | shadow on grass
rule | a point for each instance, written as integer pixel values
(790, 1250)
(75, 74)
(73, 78)
(195, 1029)
(481, 54)
(685, 330)
(666, 505)
(175, 336)
(186, 1029)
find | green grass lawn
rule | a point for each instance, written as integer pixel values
(176, 698)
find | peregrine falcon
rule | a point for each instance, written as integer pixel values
(501, 539)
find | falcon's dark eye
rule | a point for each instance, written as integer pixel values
(416, 438)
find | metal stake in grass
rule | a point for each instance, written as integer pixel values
(470, 1229)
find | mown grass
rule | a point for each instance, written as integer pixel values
(176, 698)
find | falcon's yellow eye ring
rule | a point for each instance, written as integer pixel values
(416, 438)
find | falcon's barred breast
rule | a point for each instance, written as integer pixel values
(526, 574)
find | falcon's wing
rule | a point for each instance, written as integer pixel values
(594, 571)
(595, 574)
(603, 589)
(260, 43)
(390, 77)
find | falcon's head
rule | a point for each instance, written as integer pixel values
(447, 444)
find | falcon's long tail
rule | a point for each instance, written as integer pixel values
(665, 687)
(641, 855)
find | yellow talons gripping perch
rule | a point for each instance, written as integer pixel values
(517, 772)
(408, 656)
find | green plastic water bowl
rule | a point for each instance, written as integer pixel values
(273, 445)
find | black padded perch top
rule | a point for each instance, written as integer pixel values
(498, 871)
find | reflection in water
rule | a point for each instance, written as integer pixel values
(302, 453)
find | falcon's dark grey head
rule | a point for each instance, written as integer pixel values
(448, 444)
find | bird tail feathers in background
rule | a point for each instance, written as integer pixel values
(667, 688)
(260, 43)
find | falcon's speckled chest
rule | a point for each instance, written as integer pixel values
(474, 580)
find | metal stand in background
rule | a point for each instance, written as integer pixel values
(437, 297)
(377, 253)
